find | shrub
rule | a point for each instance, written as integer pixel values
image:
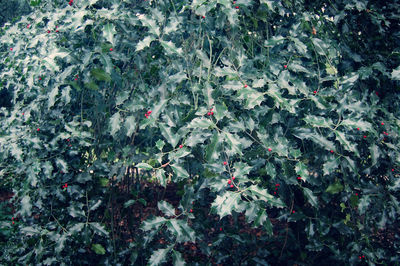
(274, 123)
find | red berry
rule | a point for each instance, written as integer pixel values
(12, 218)
(237, 7)
(67, 139)
(38, 129)
(363, 256)
(365, 137)
(276, 188)
(204, 16)
(225, 163)
(11, 49)
(356, 194)
(231, 186)
(382, 123)
(299, 178)
(293, 211)
(111, 49)
(212, 113)
(274, 192)
(180, 146)
(211, 109)
(277, 185)
(233, 178)
(359, 257)
(234, 2)
(70, 2)
(392, 170)
(229, 181)
(23, 113)
(56, 30)
(220, 229)
(245, 85)
(269, 149)
(191, 210)
(315, 92)
(208, 113)
(332, 151)
(48, 31)
(76, 79)
(13, 222)
(358, 128)
(376, 93)
(149, 112)
(285, 66)
(28, 26)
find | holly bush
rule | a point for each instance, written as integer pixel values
(276, 123)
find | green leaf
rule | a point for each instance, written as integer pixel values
(161, 178)
(109, 32)
(363, 204)
(144, 43)
(130, 125)
(396, 73)
(346, 144)
(98, 229)
(100, 75)
(180, 172)
(201, 122)
(181, 230)
(228, 202)
(144, 166)
(312, 199)
(167, 133)
(177, 258)
(262, 194)
(211, 149)
(98, 249)
(26, 206)
(334, 188)
(251, 97)
(170, 48)
(159, 256)
(154, 223)
(318, 121)
(129, 203)
(301, 170)
(160, 144)
(115, 123)
(166, 208)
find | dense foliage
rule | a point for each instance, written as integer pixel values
(276, 121)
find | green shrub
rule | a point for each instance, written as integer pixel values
(297, 101)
